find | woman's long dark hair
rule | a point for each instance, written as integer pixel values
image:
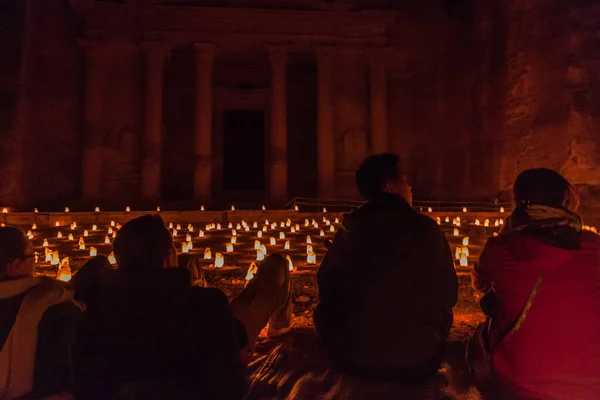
(546, 187)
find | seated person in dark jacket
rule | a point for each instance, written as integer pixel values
(38, 318)
(149, 329)
(387, 284)
(149, 324)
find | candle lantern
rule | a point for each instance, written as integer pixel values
(311, 258)
(219, 260)
(207, 253)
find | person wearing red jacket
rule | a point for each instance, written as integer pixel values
(543, 258)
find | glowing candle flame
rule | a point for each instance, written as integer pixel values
(447, 219)
(252, 270)
(263, 207)
(48, 256)
(288, 222)
(112, 223)
(501, 209)
(465, 241)
(29, 235)
(219, 260)
(260, 255)
(174, 232)
(230, 226)
(465, 251)
(272, 241)
(429, 209)
(59, 235)
(464, 261)
(486, 222)
(286, 245)
(266, 222)
(263, 248)
(64, 271)
(35, 210)
(170, 225)
(200, 233)
(496, 223)
(66, 209)
(190, 245)
(190, 227)
(256, 244)
(94, 227)
(55, 258)
(238, 227)
(93, 252)
(295, 208)
(321, 233)
(293, 230)
(495, 234)
(45, 244)
(85, 233)
(57, 223)
(264, 229)
(188, 237)
(255, 224)
(232, 207)
(207, 253)
(229, 247)
(71, 236)
(185, 248)
(281, 235)
(111, 259)
(308, 239)
(477, 223)
(501, 222)
(290, 263)
(233, 232)
(455, 232)
(106, 240)
(34, 226)
(438, 220)
(81, 244)
(464, 209)
(234, 239)
(97, 209)
(178, 227)
(306, 222)
(324, 209)
(331, 228)
(309, 248)
(311, 258)
(457, 252)
(201, 208)
(127, 209)
(218, 226)
(259, 234)
(157, 208)
(297, 227)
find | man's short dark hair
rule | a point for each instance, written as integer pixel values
(12, 246)
(374, 172)
(143, 242)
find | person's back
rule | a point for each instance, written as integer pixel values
(149, 326)
(387, 286)
(38, 318)
(541, 277)
(555, 354)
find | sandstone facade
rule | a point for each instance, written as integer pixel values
(113, 102)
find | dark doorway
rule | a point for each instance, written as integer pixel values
(244, 150)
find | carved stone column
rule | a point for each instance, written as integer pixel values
(91, 169)
(155, 53)
(377, 58)
(325, 138)
(203, 160)
(278, 128)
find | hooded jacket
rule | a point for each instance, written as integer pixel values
(556, 352)
(386, 287)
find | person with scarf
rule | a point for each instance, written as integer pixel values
(541, 280)
(38, 319)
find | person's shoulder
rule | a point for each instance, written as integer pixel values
(209, 297)
(64, 313)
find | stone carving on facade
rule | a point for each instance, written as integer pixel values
(355, 148)
(121, 163)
